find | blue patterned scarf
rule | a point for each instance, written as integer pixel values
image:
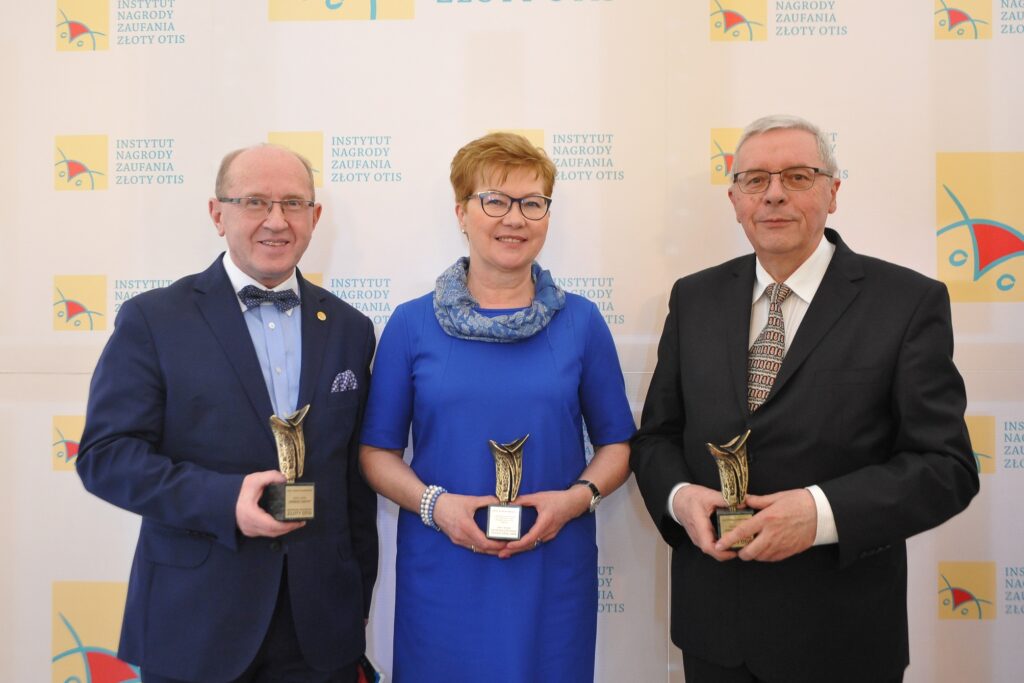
(458, 312)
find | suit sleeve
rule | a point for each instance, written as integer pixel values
(362, 500)
(931, 474)
(120, 461)
(657, 448)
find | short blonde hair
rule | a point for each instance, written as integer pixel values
(498, 154)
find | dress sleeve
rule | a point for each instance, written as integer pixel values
(602, 387)
(389, 406)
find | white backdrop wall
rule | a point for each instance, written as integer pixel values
(119, 111)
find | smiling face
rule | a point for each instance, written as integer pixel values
(266, 247)
(499, 247)
(784, 226)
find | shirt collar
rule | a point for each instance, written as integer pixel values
(805, 280)
(239, 280)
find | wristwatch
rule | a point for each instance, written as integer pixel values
(595, 497)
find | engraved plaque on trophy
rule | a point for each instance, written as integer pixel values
(505, 521)
(734, 473)
(290, 501)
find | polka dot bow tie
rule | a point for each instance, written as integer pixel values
(285, 300)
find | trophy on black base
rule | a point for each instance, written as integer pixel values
(289, 502)
(505, 521)
(734, 473)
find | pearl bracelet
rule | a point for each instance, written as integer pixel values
(427, 502)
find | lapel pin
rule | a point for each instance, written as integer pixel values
(321, 316)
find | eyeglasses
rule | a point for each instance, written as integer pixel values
(796, 178)
(498, 204)
(260, 206)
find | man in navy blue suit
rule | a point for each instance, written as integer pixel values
(177, 431)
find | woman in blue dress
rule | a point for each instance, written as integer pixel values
(497, 352)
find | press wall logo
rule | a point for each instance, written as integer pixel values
(85, 629)
(739, 20)
(370, 295)
(67, 433)
(340, 10)
(1013, 445)
(980, 215)
(967, 590)
(79, 303)
(586, 156)
(80, 162)
(598, 289)
(146, 161)
(963, 19)
(309, 144)
(83, 25)
(723, 149)
(363, 159)
(607, 602)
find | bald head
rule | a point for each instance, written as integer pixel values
(232, 160)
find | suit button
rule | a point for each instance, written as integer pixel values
(275, 546)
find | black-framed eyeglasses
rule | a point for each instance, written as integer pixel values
(497, 204)
(796, 178)
(259, 206)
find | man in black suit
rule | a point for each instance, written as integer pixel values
(843, 373)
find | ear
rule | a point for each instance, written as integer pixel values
(734, 198)
(317, 210)
(215, 215)
(834, 190)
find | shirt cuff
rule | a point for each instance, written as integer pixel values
(826, 532)
(671, 497)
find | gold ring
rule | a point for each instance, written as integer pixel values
(536, 544)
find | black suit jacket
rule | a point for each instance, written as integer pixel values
(177, 416)
(868, 405)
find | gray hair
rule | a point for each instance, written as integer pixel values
(225, 166)
(785, 121)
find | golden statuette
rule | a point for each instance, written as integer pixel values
(291, 445)
(504, 521)
(290, 501)
(734, 473)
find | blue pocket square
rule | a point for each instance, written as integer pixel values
(344, 381)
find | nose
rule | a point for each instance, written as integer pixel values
(276, 218)
(776, 193)
(515, 215)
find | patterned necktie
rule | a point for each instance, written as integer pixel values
(765, 357)
(284, 300)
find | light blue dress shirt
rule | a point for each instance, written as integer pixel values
(277, 338)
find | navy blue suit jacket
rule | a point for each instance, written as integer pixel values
(868, 405)
(177, 416)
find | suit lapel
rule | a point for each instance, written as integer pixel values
(315, 328)
(837, 291)
(220, 308)
(737, 310)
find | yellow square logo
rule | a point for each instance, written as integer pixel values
(86, 626)
(739, 20)
(83, 25)
(963, 19)
(67, 433)
(967, 590)
(79, 303)
(80, 162)
(982, 429)
(980, 215)
(340, 10)
(316, 278)
(723, 148)
(309, 144)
